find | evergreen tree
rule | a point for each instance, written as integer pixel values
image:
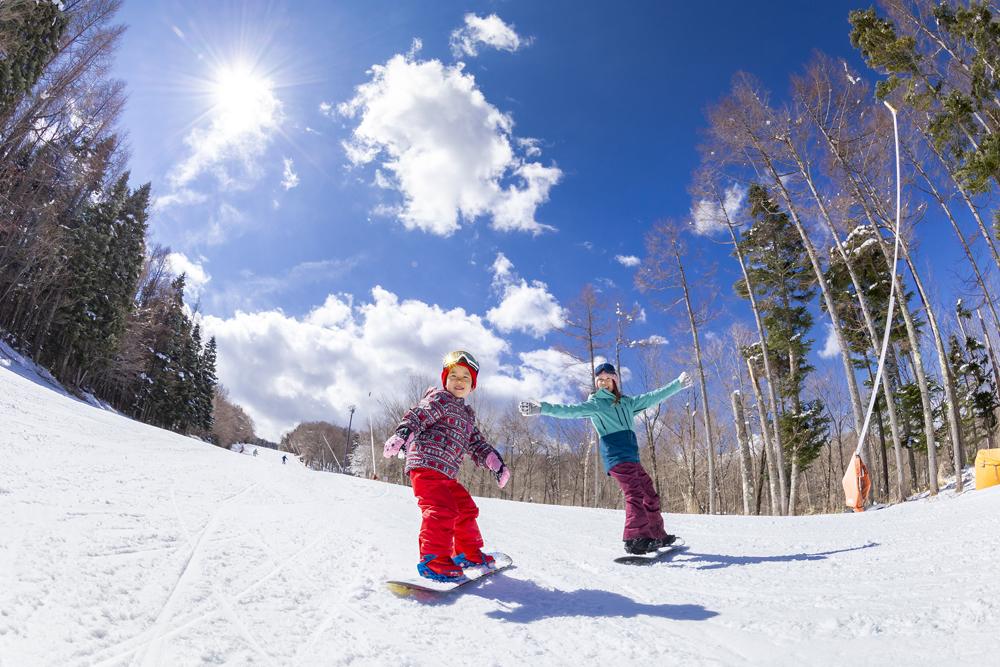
(945, 74)
(911, 413)
(870, 266)
(207, 381)
(784, 285)
(163, 398)
(29, 37)
(105, 256)
(977, 388)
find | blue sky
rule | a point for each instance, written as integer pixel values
(356, 187)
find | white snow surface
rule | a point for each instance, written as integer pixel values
(124, 544)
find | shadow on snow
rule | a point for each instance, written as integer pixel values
(717, 561)
(524, 601)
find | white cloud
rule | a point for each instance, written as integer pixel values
(530, 146)
(326, 109)
(289, 179)
(444, 148)
(525, 307)
(652, 340)
(503, 270)
(284, 370)
(489, 31)
(181, 197)
(233, 135)
(545, 374)
(627, 260)
(831, 348)
(196, 277)
(709, 217)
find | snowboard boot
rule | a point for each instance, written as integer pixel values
(664, 541)
(430, 567)
(482, 560)
(640, 545)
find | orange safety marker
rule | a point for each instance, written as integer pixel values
(857, 484)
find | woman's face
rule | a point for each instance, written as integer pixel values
(605, 381)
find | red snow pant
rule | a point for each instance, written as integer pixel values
(642, 504)
(449, 518)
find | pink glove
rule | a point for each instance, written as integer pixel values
(502, 472)
(399, 440)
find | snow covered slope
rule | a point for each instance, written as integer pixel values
(124, 544)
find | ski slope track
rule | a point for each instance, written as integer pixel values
(123, 544)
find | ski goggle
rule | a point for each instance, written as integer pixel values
(605, 368)
(460, 357)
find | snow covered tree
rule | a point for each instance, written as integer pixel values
(206, 384)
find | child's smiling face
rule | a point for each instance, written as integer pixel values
(459, 381)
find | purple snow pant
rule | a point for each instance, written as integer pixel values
(642, 505)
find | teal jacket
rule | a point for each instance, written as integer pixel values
(613, 421)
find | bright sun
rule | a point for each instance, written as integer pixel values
(242, 98)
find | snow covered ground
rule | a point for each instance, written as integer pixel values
(124, 544)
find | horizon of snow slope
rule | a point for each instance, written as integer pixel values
(124, 544)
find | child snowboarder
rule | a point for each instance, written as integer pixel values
(612, 413)
(436, 434)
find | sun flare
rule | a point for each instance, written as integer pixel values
(242, 98)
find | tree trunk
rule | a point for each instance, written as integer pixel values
(768, 375)
(961, 236)
(693, 506)
(706, 417)
(947, 378)
(760, 481)
(967, 199)
(741, 437)
(993, 358)
(772, 474)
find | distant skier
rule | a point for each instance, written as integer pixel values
(284, 459)
(612, 413)
(436, 434)
(255, 451)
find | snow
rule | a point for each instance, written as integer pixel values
(125, 544)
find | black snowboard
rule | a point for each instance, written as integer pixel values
(652, 557)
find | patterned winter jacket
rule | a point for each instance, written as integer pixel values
(445, 429)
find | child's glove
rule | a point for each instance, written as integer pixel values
(500, 471)
(530, 408)
(685, 380)
(399, 440)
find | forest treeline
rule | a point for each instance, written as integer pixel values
(800, 186)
